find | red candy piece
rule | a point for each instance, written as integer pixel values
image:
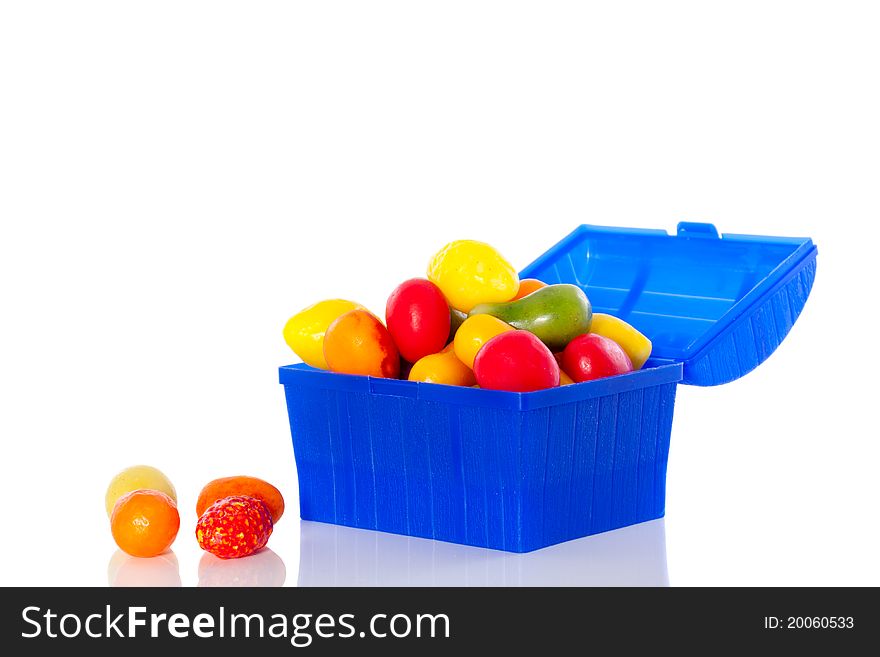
(234, 527)
(418, 318)
(593, 356)
(516, 361)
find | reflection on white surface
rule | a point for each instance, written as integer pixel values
(126, 570)
(331, 555)
(265, 568)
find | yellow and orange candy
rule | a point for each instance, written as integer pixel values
(241, 485)
(358, 343)
(443, 367)
(144, 523)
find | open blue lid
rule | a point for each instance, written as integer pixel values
(718, 304)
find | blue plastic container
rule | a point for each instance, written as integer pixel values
(521, 471)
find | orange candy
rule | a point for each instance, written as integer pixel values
(527, 286)
(242, 485)
(144, 523)
(358, 343)
(443, 367)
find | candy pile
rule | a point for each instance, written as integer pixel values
(472, 322)
(236, 514)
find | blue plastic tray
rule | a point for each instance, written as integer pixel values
(520, 471)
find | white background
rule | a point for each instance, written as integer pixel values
(177, 178)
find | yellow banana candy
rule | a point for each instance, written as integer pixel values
(304, 332)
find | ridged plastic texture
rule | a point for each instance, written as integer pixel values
(480, 469)
(521, 471)
(719, 304)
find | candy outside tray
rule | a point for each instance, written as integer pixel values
(521, 471)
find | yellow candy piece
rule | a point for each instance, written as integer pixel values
(564, 379)
(473, 333)
(469, 272)
(304, 332)
(636, 345)
(443, 367)
(137, 477)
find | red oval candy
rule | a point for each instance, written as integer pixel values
(417, 316)
(592, 356)
(516, 361)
